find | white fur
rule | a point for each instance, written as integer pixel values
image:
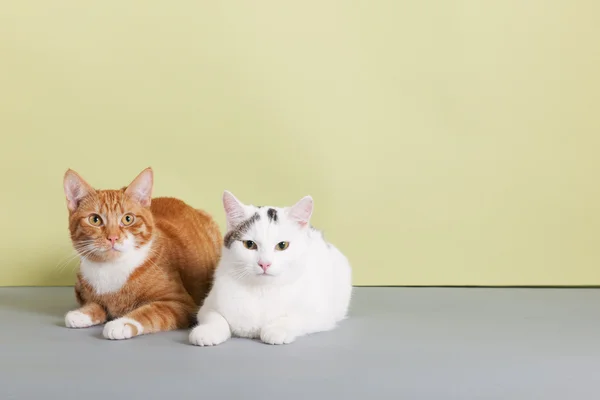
(119, 329)
(109, 277)
(77, 319)
(214, 331)
(307, 289)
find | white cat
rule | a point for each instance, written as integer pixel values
(277, 279)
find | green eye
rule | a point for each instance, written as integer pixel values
(249, 244)
(282, 246)
(95, 220)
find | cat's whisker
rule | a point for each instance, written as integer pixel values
(240, 273)
(70, 255)
(63, 263)
(76, 252)
(71, 259)
(156, 267)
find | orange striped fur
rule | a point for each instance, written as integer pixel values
(180, 246)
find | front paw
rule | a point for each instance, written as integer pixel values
(277, 333)
(122, 328)
(208, 335)
(77, 319)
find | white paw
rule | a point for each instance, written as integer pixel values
(277, 334)
(122, 328)
(77, 319)
(208, 335)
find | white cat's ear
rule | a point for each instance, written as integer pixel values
(235, 210)
(141, 187)
(301, 211)
(75, 189)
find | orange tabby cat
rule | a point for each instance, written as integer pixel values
(146, 264)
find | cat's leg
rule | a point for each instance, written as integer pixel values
(150, 318)
(212, 329)
(282, 330)
(89, 315)
(286, 329)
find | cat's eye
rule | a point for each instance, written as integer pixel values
(249, 244)
(95, 220)
(127, 219)
(282, 246)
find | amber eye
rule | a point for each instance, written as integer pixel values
(127, 219)
(249, 244)
(282, 246)
(95, 220)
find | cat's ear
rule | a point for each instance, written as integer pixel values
(301, 211)
(235, 210)
(75, 189)
(141, 187)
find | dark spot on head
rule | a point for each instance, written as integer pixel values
(237, 232)
(272, 213)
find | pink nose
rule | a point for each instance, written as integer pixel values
(113, 239)
(264, 265)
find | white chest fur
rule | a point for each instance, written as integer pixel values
(249, 308)
(109, 277)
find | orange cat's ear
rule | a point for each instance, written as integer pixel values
(75, 189)
(141, 187)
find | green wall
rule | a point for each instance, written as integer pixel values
(445, 142)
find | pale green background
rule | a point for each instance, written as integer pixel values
(445, 142)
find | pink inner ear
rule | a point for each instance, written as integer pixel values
(74, 197)
(143, 197)
(234, 209)
(75, 190)
(141, 188)
(302, 211)
(145, 201)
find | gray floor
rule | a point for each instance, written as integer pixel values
(399, 343)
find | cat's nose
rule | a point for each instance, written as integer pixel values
(112, 239)
(264, 265)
